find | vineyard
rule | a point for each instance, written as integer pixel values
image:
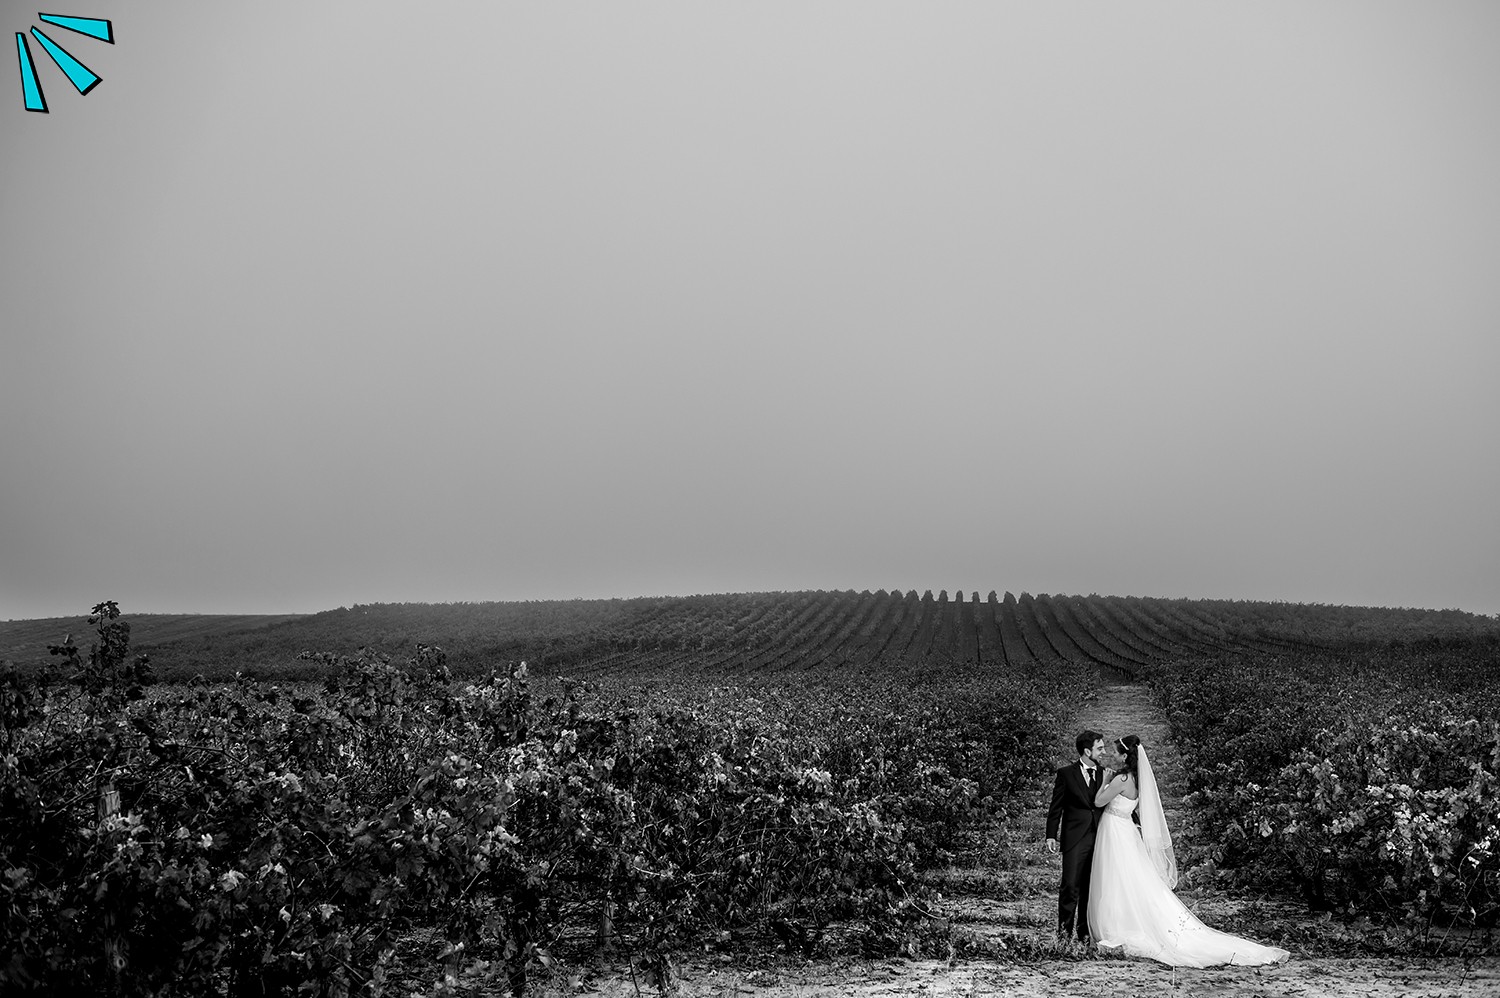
(385, 798)
(758, 634)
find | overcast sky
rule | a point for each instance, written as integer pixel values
(315, 304)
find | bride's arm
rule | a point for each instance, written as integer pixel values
(1111, 789)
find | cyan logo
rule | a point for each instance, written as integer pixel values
(82, 78)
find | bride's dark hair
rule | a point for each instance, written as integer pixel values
(1129, 746)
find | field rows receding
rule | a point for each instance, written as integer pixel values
(769, 633)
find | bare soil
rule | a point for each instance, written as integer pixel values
(1367, 978)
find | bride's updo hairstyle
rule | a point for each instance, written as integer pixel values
(1128, 746)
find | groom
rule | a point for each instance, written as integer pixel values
(1072, 820)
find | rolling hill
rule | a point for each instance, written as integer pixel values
(767, 633)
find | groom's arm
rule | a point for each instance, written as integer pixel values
(1055, 811)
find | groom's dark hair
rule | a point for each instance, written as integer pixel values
(1086, 739)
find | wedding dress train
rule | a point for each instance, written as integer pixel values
(1131, 906)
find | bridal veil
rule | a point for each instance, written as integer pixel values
(1154, 830)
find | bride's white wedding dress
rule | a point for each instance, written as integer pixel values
(1132, 908)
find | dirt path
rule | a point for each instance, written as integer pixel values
(1320, 978)
(995, 902)
(1007, 900)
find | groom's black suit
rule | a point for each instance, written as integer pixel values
(1072, 820)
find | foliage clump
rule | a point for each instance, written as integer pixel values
(250, 839)
(1369, 782)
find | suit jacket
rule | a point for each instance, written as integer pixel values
(1072, 818)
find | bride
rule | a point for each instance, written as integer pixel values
(1131, 904)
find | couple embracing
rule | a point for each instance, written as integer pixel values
(1118, 868)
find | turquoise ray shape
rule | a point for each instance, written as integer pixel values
(31, 87)
(94, 27)
(83, 78)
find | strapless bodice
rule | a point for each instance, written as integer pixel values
(1120, 805)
